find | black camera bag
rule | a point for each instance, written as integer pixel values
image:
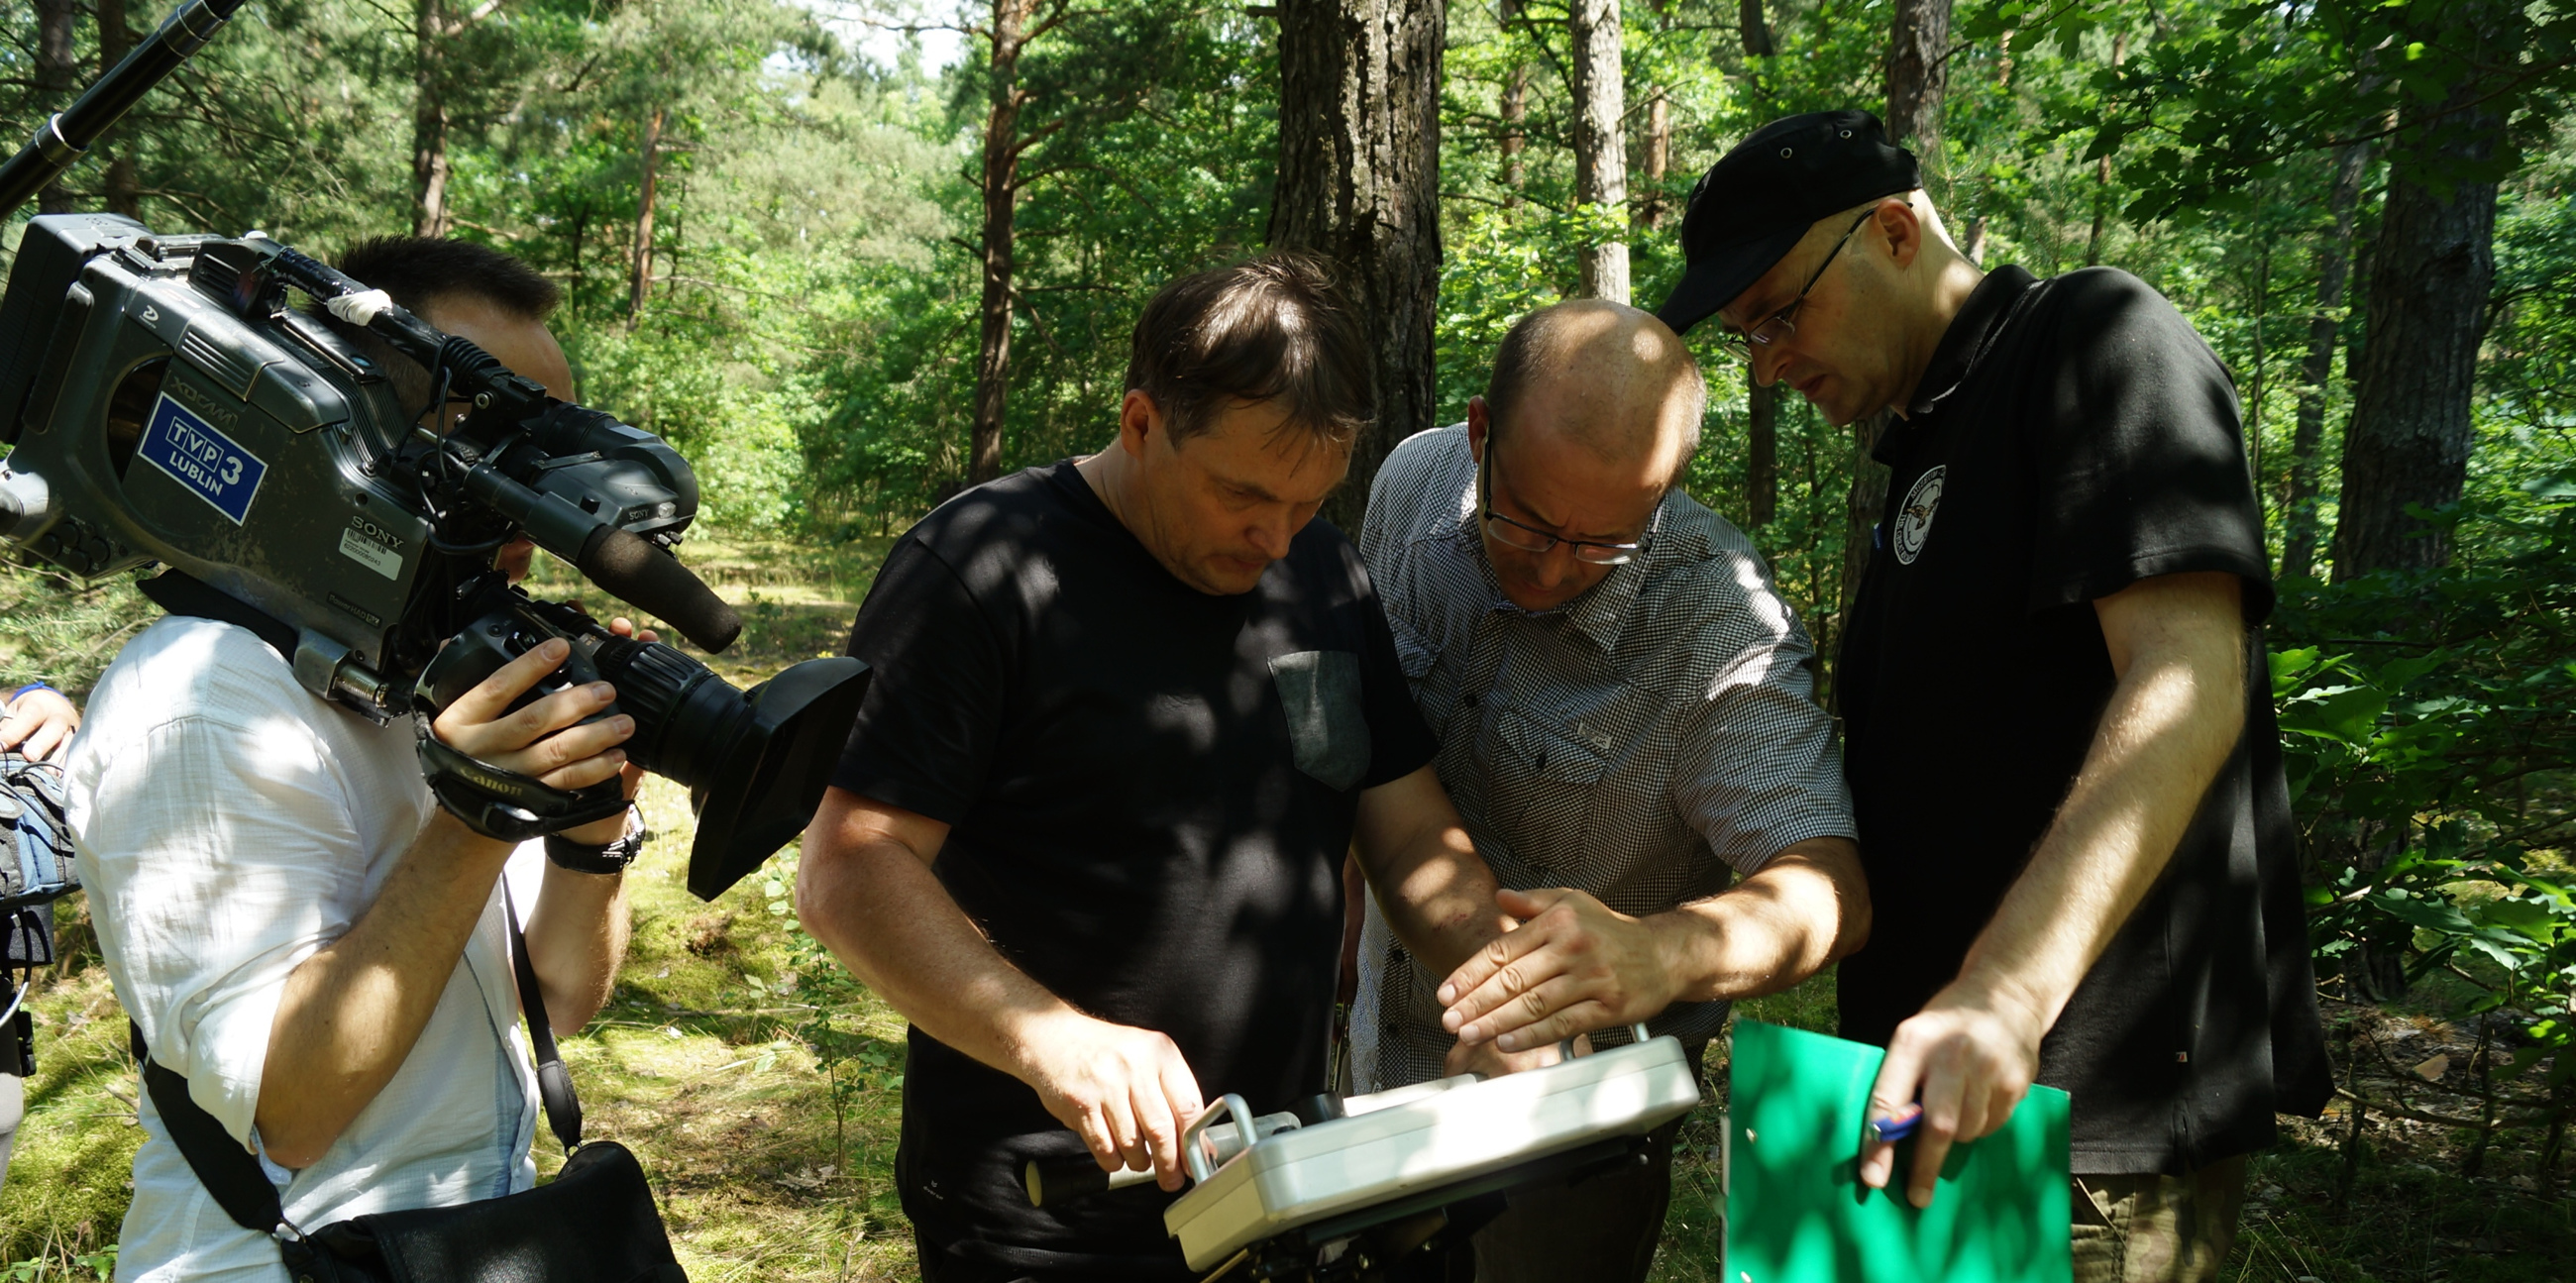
(594, 1223)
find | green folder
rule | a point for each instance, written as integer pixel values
(1796, 1211)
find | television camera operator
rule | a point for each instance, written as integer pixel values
(294, 924)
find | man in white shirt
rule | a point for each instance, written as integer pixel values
(297, 928)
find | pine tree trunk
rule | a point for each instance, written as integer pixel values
(1762, 455)
(2102, 173)
(1514, 111)
(1756, 32)
(1600, 138)
(1917, 77)
(639, 279)
(2334, 274)
(429, 121)
(1659, 158)
(115, 40)
(1001, 183)
(1861, 507)
(1359, 184)
(55, 66)
(2409, 437)
(1916, 80)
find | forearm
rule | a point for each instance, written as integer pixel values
(576, 937)
(351, 1013)
(2168, 729)
(1438, 895)
(886, 916)
(1807, 907)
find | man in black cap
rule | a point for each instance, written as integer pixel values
(2064, 767)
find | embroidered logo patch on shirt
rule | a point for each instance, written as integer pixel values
(1914, 520)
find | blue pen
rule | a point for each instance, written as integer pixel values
(1898, 1127)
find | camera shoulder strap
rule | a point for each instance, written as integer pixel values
(554, 1082)
(234, 1177)
(228, 1171)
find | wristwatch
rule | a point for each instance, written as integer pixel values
(610, 858)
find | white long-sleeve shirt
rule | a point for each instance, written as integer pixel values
(230, 825)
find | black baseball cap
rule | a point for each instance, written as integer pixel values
(1758, 200)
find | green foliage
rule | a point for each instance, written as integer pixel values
(809, 333)
(2428, 724)
(2225, 95)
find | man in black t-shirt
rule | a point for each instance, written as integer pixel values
(1129, 714)
(2062, 753)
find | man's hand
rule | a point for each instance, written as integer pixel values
(632, 776)
(1482, 1058)
(1125, 1090)
(1968, 1059)
(1573, 965)
(39, 723)
(544, 739)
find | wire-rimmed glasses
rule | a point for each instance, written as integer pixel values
(1513, 534)
(1781, 324)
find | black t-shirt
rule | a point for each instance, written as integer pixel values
(1150, 790)
(2071, 437)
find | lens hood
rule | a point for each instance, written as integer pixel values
(765, 787)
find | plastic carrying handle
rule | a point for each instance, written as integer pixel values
(1193, 1155)
(1637, 1031)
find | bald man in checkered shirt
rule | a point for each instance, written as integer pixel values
(1627, 723)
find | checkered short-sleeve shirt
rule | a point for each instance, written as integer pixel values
(1643, 742)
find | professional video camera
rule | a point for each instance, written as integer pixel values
(165, 404)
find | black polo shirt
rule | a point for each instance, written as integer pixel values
(1150, 791)
(2071, 437)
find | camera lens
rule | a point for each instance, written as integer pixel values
(755, 762)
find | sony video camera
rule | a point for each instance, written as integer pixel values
(165, 404)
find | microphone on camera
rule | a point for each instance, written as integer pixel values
(629, 566)
(635, 571)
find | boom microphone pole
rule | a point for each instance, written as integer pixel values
(62, 140)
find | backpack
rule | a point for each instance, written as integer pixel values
(35, 871)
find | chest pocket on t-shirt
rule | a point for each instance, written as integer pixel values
(1328, 730)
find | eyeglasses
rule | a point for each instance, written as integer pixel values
(1783, 323)
(1512, 534)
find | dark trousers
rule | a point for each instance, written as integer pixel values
(1604, 1228)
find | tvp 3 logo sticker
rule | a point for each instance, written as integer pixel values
(211, 465)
